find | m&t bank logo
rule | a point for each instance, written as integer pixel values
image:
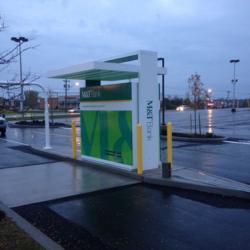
(149, 122)
(90, 94)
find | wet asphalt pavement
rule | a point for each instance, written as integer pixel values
(226, 160)
(13, 156)
(144, 217)
(26, 178)
(230, 160)
(221, 121)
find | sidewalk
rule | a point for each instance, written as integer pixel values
(192, 179)
(182, 177)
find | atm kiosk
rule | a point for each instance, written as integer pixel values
(120, 92)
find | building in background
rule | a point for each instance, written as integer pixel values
(60, 103)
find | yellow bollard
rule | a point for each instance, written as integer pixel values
(139, 148)
(169, 144)
(73, 139)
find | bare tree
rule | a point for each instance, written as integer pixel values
(9, 56)
(31, 98)
(196, 91)
(6, 56)
(2, 24)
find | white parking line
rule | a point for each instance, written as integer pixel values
(238, 142)
(12, 141)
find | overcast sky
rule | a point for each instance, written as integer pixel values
(194, 36)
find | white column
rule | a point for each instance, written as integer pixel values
(46, 120)
(149, 106)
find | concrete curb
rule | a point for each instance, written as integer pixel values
(12, 125)
(100, 167)
(181, 184)
(197, 187)
(30, 230)
(42, 117)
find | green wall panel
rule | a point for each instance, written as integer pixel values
(107, 135)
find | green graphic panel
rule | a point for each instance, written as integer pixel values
(107, 135)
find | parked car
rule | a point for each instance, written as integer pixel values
(3, 125)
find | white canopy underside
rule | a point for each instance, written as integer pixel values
(110, 70)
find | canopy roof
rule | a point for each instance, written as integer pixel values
(97, 71)
(108, 70)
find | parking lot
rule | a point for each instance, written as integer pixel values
(229, 159)
(80, 207)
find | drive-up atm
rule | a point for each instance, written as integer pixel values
(118, 96)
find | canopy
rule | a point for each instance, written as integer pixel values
(112, 69)
(102, 71)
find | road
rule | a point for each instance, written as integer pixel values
(221, 121)
(229, 160)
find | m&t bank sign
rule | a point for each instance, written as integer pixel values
(149, 120)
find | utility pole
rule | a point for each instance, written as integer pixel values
(66, 87)
(20, 40)
(234, 81)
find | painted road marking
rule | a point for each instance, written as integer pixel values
(12, 141)
(237, 142)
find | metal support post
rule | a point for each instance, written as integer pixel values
(234, 61)
(20, 40)
(46, 120)
(167, 166)
(21, 79)
(163, 90)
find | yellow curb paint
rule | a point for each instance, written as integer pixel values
(139, 148)
(73, 139)
(169, 143)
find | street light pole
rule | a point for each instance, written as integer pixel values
(20, 40)
(234, 61)
(21, 76)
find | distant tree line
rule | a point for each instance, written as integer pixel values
(175, 101)
(172, 102)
